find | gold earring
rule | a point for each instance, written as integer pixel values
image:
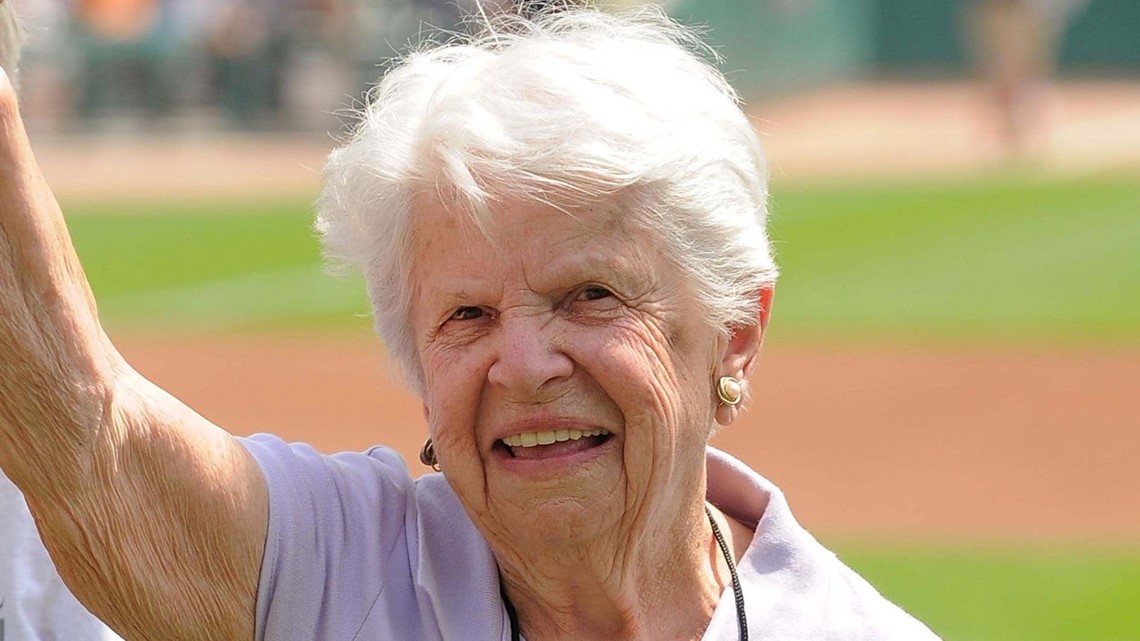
(427, 455)
(729, 391)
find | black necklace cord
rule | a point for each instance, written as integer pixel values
(737, 589)
(511, 614)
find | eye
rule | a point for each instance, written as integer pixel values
(466, 313)
(594, 292)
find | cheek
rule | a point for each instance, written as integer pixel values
(453, 384)
(638, 365)
(452, 410)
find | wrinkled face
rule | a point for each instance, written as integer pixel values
(568, 375)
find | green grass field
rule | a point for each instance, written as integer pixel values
(1008, 593)
(1013, 259)
(998, 260)
(248, 265)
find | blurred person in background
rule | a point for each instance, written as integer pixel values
(1015, 45)
(128, 57)
(239, 48)
(379, 29)
(562, 224)
(262, 52)
(34, 603)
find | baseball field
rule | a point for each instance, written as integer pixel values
(947, 396)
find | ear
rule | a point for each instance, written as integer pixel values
(740, 352)
(743, 345)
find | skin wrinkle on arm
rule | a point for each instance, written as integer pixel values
(155, 518)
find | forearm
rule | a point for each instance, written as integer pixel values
(155, 517)
(57, 368)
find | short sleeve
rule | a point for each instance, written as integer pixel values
(337, 546)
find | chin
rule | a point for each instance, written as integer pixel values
(568, 510)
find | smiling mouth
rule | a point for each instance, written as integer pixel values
(551, 443)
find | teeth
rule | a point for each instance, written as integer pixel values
(546, 437)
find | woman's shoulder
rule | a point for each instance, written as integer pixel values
(297, 463)
(794, 586)
(356, 544)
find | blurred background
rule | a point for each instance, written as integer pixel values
(948, 392)
(290, 65)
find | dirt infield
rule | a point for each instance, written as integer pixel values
(865, 442)
(890, 129)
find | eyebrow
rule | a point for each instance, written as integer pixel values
(446, 296)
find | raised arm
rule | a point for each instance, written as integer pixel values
(155, 517)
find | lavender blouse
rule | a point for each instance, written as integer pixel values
(359, 550)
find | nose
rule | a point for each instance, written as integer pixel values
(529, 361)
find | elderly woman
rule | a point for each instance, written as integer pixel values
(562, 227)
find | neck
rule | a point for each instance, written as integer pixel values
(658, 587)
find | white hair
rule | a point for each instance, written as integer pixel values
(569, 108)
(11, 38)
